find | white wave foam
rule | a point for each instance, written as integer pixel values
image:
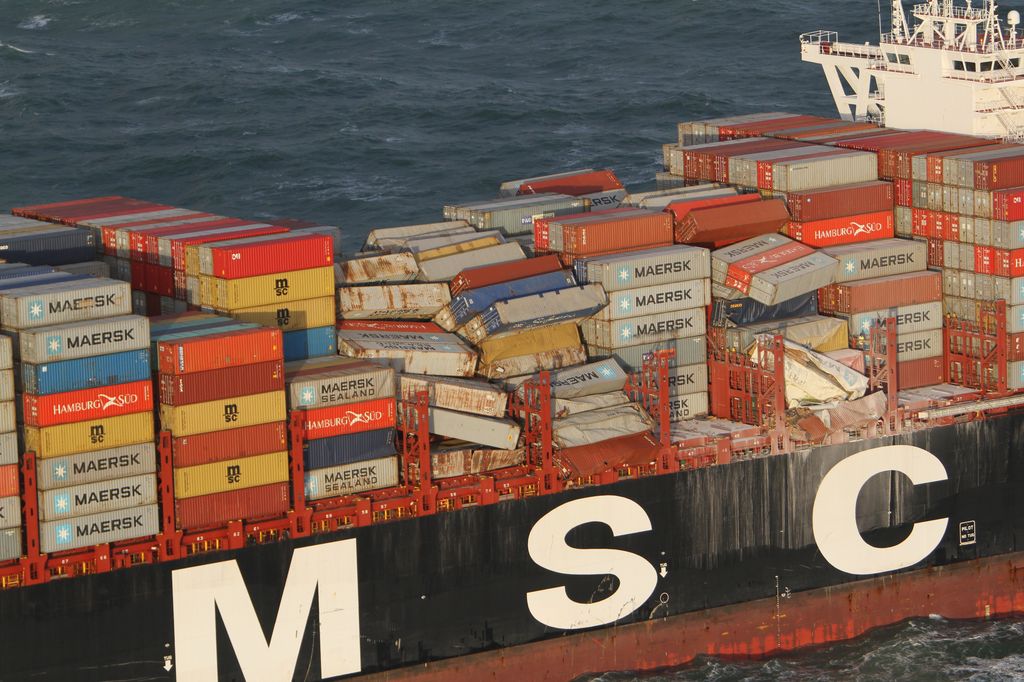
(16, 48)
(35, 23)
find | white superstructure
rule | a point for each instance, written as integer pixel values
(955, 68)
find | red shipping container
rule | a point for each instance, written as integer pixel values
(179, 245)
(575, 185)
(150, 239)
(984, 260)
(112, 228)
(542, 226)
(219, 446)
(741, 273)
(1015, 347)
(936, 254)
(339, 420)
(921, 222)
(9, 486)
(160, 280)
(249, 504)
(903, 192)
(72, 212)
(847, 230)
(637, 450)
(294, 251)
(681, 209)
(390, 326)
(1005, 263)
(141, 240)
(216, 351)
(999, 173)
(201, 387)
(844, 200)
(923, 372)
(138, 276)
(882, 292)
(1008, 204)
(608, 233)
(732, 223)
(486, 275)
(88, 403)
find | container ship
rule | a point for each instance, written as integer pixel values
(567, 429)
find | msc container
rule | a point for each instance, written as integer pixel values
(646, 329)
(353, 447)
(98, 529)
(336, 381)
(96, 498)
(249, 292)
(218, 446)
(8, 448)
(82, 339)
(489, 275)
(605, 376)
(232, 474)
(339, 420)
(395, 301)
(732, 223)
(844, 230)
(388, 267)
(92, 467)
(350, 479)
(595, 426)
(687, 406)
(87, 372)
(912, 318)
(201, 387)
(496, 433)
(224, 414)
(445, 268)
(539, 310)
(875, 294)
(655, 300)
(10, 543)
(918, 345)
(688, 379)
(688, 351)
(264, 255)
(51, 304)
(413, 353)
(842, 200)
(465, 305)
(879, 259)
(748, 311)
(259, 502)
(461, 395)
(923, 372)
(303, 344)
(292, 315)
(89, 436)
(219, 350)
(88, 404)
(651, 267)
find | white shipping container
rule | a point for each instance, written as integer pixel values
(8, 448)
(460, 395)
(388, 267)
(841, 169)
(688, 379)
(596, 426)
(688, 351)
(687, 406)
(8, 417)
(604, 376)
(650, 267)
(50, 304)
(722, 258)
(96, 529)
(6, 352)
(92, 467)
(350, 479)
(10, 512)
(94, 498)
(10, 544)
(911, 318)
(445, 268)
(418, 245)
(566, 407)
(793, 279)
(879, 258)
(84, 339)
(321, 382)
(388, 237)
(392, 302)
(645, 329)
(436, 354)
(918, 345)
(502, 434)
(652, 300)
(6, 385)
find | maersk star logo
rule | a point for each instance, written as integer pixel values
(53, 345)
(60, 470)
(624, 304)
(307, 397)
(606, 372)
(1022, 233)
(311, 486)
(866, 327)
(36, 311)
(626, 333)
(63, 533)
(624, 275)
(851, 266)
(61, 503)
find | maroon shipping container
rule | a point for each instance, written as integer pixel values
(486, 275)
(607, 233)
(73, 212)
(730, 224)
(844, 200)
(250, 504)
(201, 387)
(574, 185)
(765, 128)
(1000, 173)
(1015, 347)
(1008, 204)
(935, 161)
(903, 158)
(711, 161)
(881, 292)
(587, 460)
(923, 372)
(219, 446)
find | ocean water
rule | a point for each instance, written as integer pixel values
(366, 113)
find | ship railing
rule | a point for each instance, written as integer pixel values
(967, 13)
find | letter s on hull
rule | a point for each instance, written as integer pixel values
(834, 518)
(548, 549)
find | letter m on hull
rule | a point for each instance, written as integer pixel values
(329, 571)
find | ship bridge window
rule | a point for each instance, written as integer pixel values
(896, 58)
(985, 66)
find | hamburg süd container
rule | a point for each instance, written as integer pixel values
(92, 467)
(219, 350)
(84, 339)
(89, 436)
(353, 447)
(224, 414)
(51, 304)
(879, 259)
(259, 502)
(339, 420)
(218, 446)
(349, 479)
(232, 474)
(87, 372)
(655, 300)
(98, 529)
(95, 498)
(199, 387)
(87, 404)
(851, 229)
(647, 329)
(291, 315)
(395, 301)
(651, 267)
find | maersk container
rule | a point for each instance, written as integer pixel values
(913, 318)
(88, 372)
(8, 448)
(688, 351)
(749, 311)
(303, 344)
(793, 279)
(460, 395)
(388, 267)
(553, 307)
(200, 387)
(604, 376)
(87, 404)
(83, 339)
(96, 498)
(291, 315)
(879, 259)
(10, 512)
(445, 268)
(232, 474)
(218, 350)
(339, 420)
(350, 479)
(248, 504)
(92, 467)
(687, 406)
(52, 304)
(918, 345)
(384, 238)
(655, 300)
(595, 426)
(473, 302)
(651, 267)
(224, 414)
(502, 434)
(354, 447)
(515, 216)
(337, 381)
(688, 379)
(219, 446)
(98, 529)
(426, 353)
(722, 258)
(645, 329)
(394, 301)
(89, 436)
(249, 292)
(10, 544)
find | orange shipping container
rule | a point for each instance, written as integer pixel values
(217, 351)
(9, 480)
(632, 231)
(850, 229)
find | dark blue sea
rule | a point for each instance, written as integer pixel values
(365, 114)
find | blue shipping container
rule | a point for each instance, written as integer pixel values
(354, 447)
(40, 279)
(25, 271)
(74, 375)
(473, 302)
(310, 343)
(748, 311)
(59, 246)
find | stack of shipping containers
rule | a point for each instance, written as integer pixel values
(10, 500)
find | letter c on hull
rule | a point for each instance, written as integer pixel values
(834, 518)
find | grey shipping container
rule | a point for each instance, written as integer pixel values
(65, 302)
(8, 448)
(443, 269)
(349, 479)
(392, 301)
(94, 498)
(418, 245)
(688, 351)
(10, 512)
(337, 381)
(10, 544)
(460, 395)
(910, 318)
(515, 216)
(388, 267)
(6, 352)
(879, 258)
(652, 300)
(593, 378)
(918, 345)
(496, 433)
(646, 329)
(94, 268)
(84, 339)
(650, 267)
(385, 237)
(437, 354)
(793, 279)
(96, 529)
(595, 426)
(8, 417)
(92, 467)
(721, 259)
(687, 406)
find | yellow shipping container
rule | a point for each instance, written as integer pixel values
(529, 342)
(249, 292)
(232, 474)
(89, 436)
(315, 312)
(222, 415)
(452, 249)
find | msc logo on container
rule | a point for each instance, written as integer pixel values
(284, 316)
(234, 474)
(281, 286)
(97, 434)
(230, 413)
(36, 310)
(54, 345)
